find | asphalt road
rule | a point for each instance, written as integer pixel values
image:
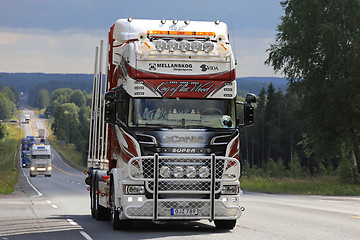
(58, 208)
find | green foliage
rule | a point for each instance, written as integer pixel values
(8, 147)
(42, 99)
(317, 48)
(296, 170)
(71, 117)
(7, 108)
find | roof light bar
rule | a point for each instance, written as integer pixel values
(183, 33)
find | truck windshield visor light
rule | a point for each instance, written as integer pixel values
(196, 46)
(184, 46)
(160, 45)
(173, 45)
(208, 46)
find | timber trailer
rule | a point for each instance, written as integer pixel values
(164, 129)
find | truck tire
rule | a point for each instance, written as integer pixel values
(101, 213)
(225, 224)
(116, 223)
(31, 175)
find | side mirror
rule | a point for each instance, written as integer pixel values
(248, 115)
(250, 98)
(110, 112)
(110, 96)
(249, 110)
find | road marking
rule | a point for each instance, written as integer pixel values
(86, 236)
(54, 206)
(356, 217)
(64, 171)
(27, 179)
(49, 202)
(72, 222)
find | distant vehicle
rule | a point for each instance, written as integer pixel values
(40, 160)
(27, 118)
(25, 144)
(25, 159)
(42, 115)
(41, 133)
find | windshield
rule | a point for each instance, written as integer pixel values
(183, 113)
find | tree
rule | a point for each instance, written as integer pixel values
(42, 99)
(317, 48)
(6, 107)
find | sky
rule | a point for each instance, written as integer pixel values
(60, 36)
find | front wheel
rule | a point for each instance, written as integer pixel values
(225, 224)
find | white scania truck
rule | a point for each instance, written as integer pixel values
(165, 146)
(40, 158)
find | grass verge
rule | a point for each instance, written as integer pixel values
(8, 158)
(328, 185)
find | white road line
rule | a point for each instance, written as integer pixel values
(27, 179)
(72, 222)
(49, 202)
(86, 236)
(54, 206)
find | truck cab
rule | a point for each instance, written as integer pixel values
(170, 124)
(41, 157)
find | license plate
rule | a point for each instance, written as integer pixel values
(184, 211)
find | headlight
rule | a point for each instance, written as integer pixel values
(160, 45)
(134, 190)
(173, 45)
(165, 172)
(49, 168)
(178, 172)
(196, 46)
(208, 46)
(184, 45)
(204, 172)
(191, 172)
(32, 169)
(230, 190)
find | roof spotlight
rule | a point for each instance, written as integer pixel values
(173, 45)
(175, 21)
(184, 45)
(163, 21)
(130, 19)
(196, 46)
(160, 45)
(187, 21)
(208, 46)
(217, 21)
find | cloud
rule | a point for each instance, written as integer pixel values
(34, 50)
(251, 55)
